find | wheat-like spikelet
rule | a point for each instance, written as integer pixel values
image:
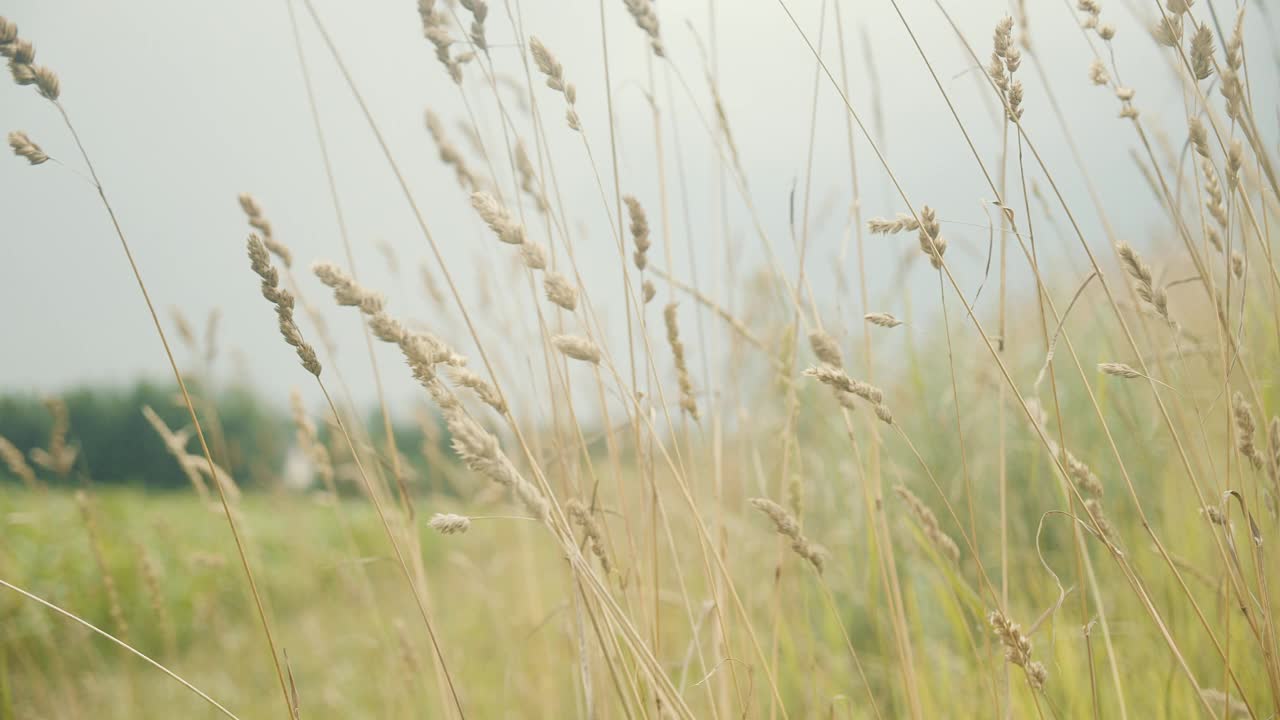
(1245, 430)
(1017, 648)
(17, 463)
(825, 348)
(941, 541)
(529, 177)
(533, 254)
(481, 453)
(1094, 507)
(23, 147)
(22, 55)
(1213, 195)
(642, 12)
(449, 524)
(1098, 73)
(497, 218)
(930, 234)
(1119, 370)
(639, 231)
(580, 515)
(449, 153)
(479, 11)
(114, 608)
(884, 226)
(554, 72)
(309, 440)
(1214, 514)
(260, 262)
(838, 380)
(259, 222)
(345, 289)
(1168, 30)
(884, 320)
(785, 524)
(435, 28)
(1143, 282)
(648, 291)
(487, 393)
(195, 467)
(155, 595)
(560, 290)
(1226, 706)
(60, 457)
(1235, 155)
(1237, 264)
(688, 403)
(577, 347)
(1202, 53)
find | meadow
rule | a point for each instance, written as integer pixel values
(1023, 469)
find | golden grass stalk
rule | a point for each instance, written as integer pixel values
(580, 515)
(1017, 648)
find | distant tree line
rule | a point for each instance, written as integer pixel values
(105, 437)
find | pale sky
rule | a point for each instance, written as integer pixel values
(183, 105)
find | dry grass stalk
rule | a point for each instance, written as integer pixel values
(940, 540)
(497, 218)
(481, 453)
(554, 72)
(884, 320)
(259, 222)
(639, 231)
(1017, 648)
(100, 557)
(1245, 430)
(785, 524)
(24, 147)
(449, 153)
(901, 223)
(487, 393)
(642, 12)
(282, 299)
(449, 524)
(580, 515)
(17, 463)
(577, 347)
(826, 348)
(688, 402)
(560, 290)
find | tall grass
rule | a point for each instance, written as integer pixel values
(1050, 492)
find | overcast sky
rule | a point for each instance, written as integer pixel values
(183, 105)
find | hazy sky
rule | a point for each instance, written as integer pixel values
(184, 105)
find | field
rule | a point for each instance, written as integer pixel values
(874, 461)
